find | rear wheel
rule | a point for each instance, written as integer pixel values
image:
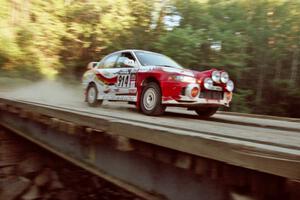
(206, 112)
(150, 102)
(91, 96)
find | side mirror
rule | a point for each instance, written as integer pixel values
(129, 63)
(91, 65)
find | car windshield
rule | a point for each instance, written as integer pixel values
(148, 58)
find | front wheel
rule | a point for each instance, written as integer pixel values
(91, 96)
(150, 102)
(206, 112)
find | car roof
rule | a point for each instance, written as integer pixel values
(128, 50)
(125, 50)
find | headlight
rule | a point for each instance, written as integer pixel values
(230, 86)
(186, 79)
(216, 75)
(224, 77)
(208, 83)
(192, 90)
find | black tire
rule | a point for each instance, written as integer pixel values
(150, 102)
(92, 99)
(206, 112)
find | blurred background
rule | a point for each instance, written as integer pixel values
(256, 41)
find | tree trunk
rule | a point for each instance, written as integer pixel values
(26, 10)
(278, 68)
(294, 67)
(14, 12)
(260, 82)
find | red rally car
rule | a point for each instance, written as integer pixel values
(153, 81)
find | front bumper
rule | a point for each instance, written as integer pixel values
(178, 94)
(208, 97)
(199, 101)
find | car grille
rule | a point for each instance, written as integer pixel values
(216, 95)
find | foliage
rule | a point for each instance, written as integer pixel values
(260, 41)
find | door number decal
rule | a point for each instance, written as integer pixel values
(124, 81)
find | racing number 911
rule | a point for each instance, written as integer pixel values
(153, 81)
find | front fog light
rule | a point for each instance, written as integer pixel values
(195, 92)
(230, 86)
(224, 77)
(192, 90)
(208, 83)
(229, 96)
(216, 76)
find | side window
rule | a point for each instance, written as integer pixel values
(121, 59)
(109, 62)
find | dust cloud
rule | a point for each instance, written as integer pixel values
(47, 91)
